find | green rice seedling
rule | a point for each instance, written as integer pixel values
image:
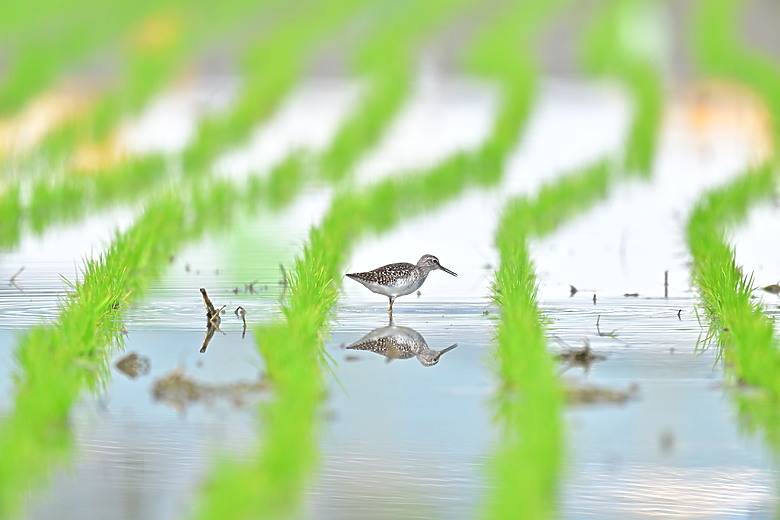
(10, 216)
(527, 460)
(623, 43)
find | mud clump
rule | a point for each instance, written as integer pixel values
(133, 365)
(179, 390)
(577, 394)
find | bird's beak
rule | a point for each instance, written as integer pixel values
(453, 273)
(445, 350)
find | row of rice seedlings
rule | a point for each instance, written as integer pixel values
(164, 42)
(624, 43)
(58, 361)
(744, 331)
(386, 63)
(527, 459)
(271, 67)
(42, 58)
(270, 484)
(46, 202)
(737, 322)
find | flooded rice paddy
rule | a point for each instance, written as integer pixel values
(652, 430)
(179, 205)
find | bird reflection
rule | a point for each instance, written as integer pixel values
(396, 342)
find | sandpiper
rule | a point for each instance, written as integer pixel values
(399, 279)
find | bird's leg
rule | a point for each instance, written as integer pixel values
(390, 308)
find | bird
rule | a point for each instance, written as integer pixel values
(396, 342)
(394, 280)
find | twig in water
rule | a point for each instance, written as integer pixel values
(12, 280)
(240, 311)
(666, 284)
(607, 334)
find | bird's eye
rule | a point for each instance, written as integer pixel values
(435, 260)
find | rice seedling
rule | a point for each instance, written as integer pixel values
(530, 398)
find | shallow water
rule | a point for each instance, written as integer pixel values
(401, 440)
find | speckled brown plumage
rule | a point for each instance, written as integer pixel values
(399, 279)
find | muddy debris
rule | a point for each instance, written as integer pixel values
(572, 291)
(179, 390)
(580, 394)
(631, 295)
(133, 365)
(679, 315)
(580, 356)
(594, 298)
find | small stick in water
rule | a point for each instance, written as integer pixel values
(666, 284)
(12, 280)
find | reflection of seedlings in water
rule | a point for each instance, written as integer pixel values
(123, 331)
(631, 295)
(589, 394)
(284, 281)
(485, 312)
(213, 319)
(12, 280)
(772, 289)
(594, 298)
(133, 365)
(604, 334)
(241, 312)
(572, 291)
(666, 284)
(583, 357)
(250, 287)
(396, 342)
(178, 390)
(679, 315)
